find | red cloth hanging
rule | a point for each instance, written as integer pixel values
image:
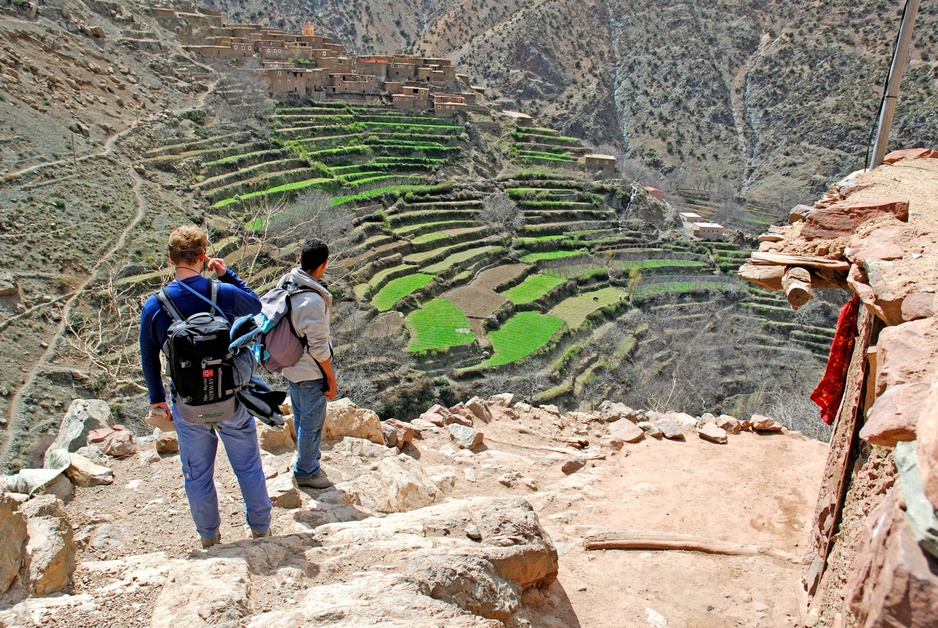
(830, 390)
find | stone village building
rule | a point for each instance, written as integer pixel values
(317, 68)
(313, 67)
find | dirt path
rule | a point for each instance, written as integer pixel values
(17, 400)
(109, 144)
(16, 403)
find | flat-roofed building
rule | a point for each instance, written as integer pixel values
(602, 164)
(706, 230)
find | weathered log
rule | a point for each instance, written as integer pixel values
(769, 277)
(797, 285)
(669, 541)
(784, 259)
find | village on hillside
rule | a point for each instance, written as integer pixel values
(313, 67)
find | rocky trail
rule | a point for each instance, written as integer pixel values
(482, 518)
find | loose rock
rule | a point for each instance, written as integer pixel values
(466, 437)
(712, 433)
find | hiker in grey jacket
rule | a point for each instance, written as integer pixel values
(312, 379)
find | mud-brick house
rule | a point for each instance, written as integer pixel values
(706, 230)
(446, 105)
(412, 97)
(374, 66)
(286, 79)
(605, 165)
(363, 84)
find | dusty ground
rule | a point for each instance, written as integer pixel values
(757, 490)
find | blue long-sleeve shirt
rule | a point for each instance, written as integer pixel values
(235, 299)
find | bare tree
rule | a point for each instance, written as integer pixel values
(108, 339)
(497, 209)
(732, 215)
(243, 96)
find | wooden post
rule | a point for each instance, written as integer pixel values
(797, 285)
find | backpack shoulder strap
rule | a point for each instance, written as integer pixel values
(214, 294)
(163, 297)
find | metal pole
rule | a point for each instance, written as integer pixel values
(900, 59)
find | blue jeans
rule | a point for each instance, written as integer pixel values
(198, 445)
(309, 416)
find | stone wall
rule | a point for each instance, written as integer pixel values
(873, 559)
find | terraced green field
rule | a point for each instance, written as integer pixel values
(532, 288)
(521, 335)
(397, 289)
(575, 310)
(419, 233)
(438, 325)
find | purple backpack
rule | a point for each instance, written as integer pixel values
(278, 343)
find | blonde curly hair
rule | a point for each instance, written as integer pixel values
(187, 244)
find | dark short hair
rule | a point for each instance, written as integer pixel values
(315, 251)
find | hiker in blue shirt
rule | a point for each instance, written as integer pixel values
(198, 441)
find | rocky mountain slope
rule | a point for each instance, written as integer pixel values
(766, 100)
(491, 513)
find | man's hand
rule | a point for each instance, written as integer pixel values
(162, 406)
(216, 265)
(331, 389)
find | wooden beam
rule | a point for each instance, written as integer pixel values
(670, 541)
(797, 285)
(784, 259)
(769, 277)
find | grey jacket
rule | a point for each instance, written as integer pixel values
(311, 314)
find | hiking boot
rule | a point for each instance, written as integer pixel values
(207, 543)
(317, 481)
(259, 535)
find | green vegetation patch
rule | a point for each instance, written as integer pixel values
(686, 286)
(464, 256)
(537, 257)
(575, 310)
(521, 335)
(580, 272)
(397, 289)
(438, 325)
(532, 288)
(280, 189)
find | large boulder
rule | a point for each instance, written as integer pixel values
(344, 418)
(213, 591)
(465, 437)
(893, 582)
(843, 219)
(370, 599)
(508, 535)
(395, 484)
(927, 444)
(275, 440)
(894, 415)
(51, 547)
(83, 416)
(117, 441)
(39, 482)
(710, 432)
(907, 353)
(479, 409)
(397, 433)
(626, 430)
(12, 540)
(83, 472)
